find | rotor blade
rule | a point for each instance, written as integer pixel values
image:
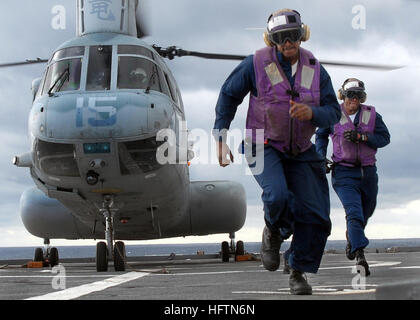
(325, 62)
(12, 64)
(207, 55)
(172, 52)
(360, 65)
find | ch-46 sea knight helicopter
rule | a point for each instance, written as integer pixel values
(93, 125)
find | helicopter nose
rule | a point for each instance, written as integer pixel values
(115, 115)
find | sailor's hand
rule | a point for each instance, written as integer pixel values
(223, 152)
(351, 136)
(300, 111)
(354, 136)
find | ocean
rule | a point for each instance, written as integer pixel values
(12, 253)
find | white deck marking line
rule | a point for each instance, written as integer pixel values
(314, 291)
(52, 276)
(76, 292)
(258, 292)
(409, 267)
(379, 264)
(341, 285)
(206, 273)
(346, 291)
(337, 290)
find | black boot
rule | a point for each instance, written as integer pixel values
(350, 255)
(361, 261)
(298, 283)
(270, 249)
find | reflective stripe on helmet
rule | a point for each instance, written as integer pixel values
(351, 84)
(276, 21)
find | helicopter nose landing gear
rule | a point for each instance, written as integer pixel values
(227, 249)
(48, 255)
(107, 251)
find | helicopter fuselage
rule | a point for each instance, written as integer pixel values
(93, 127)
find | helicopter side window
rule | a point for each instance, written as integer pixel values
(63, 75)
(99, 69)
(180, 103)
(164, 85)
(137, 73)
(171, 88)
(41, 84)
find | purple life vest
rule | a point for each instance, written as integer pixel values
(348, 153)
(270, 110)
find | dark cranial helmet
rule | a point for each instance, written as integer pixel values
(352, 88)
(285, 25)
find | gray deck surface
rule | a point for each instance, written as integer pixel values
(394, 276)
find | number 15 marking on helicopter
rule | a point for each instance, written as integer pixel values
(105, 116)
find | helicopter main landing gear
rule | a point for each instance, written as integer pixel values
(227, 249)
(108, 251)
(102, 256)
(47, 255)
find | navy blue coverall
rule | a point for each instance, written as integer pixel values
(295, 189)
(357, 187)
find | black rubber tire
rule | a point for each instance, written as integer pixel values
(39, 254)
(101, 257)
(225, 251)
(53, 258)
(119, 256)
(240, 248)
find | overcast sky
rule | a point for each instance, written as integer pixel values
(389, 35)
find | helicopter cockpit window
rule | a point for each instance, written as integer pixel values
(68, 52)
(63, 75)
(137, 73)
(135, 50)
(99, 69)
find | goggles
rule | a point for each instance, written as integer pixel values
(280, 37)
(351, 94)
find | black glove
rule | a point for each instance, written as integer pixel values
(354, 136)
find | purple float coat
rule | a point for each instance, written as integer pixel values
(349, 153)
(270, 109)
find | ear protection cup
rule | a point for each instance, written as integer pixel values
(267, 40)
(306, 32)
(340, 94)
(364, 99)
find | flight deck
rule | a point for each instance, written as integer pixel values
(394, 275)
